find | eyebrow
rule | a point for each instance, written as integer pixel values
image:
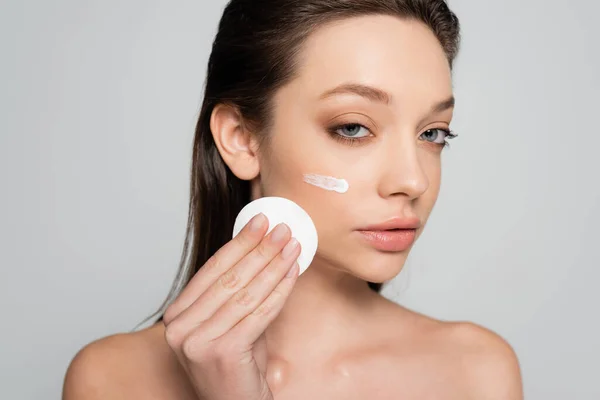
(381, 96)
(443, 105)
(365, 91)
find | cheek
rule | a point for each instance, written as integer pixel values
(282, 174)
(285, 177)
(431, 165)
(294, 150)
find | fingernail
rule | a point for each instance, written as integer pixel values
(257, 222)
(292, 270)
(279, 232)
(289, 248)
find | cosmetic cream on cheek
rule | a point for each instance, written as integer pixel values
(327, 182)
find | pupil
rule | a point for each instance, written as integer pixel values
(352, 130)
(430, 133)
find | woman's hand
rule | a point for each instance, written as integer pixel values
(216, 325)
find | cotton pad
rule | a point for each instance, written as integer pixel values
(278, 210)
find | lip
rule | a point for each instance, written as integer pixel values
(393, 235)
(394, 223)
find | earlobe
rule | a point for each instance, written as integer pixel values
(236, 145)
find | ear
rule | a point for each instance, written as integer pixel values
(236, 145)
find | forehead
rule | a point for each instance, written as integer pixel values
(401, 56)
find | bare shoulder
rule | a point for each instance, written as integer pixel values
(478, 361)
(492, 367)
(121, 366)
(489, 364)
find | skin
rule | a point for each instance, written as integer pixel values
(334, 337)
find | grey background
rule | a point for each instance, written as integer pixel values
(98, 101)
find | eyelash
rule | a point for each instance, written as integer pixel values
(354, 141)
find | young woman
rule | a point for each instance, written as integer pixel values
(354, 89)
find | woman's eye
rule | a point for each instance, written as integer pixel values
(352, 131)
(435, 135)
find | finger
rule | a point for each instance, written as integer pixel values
(225, 258)
(249, 329)
(248, 299)
(242, 336)
(235, 279)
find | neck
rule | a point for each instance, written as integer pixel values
(323, 310)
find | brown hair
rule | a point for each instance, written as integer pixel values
(253, 54)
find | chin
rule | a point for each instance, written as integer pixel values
(379, 267)
(366, 263)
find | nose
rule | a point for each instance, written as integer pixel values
(403, 173)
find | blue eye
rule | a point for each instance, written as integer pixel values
(352, 131)
(436, 135)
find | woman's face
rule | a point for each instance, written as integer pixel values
(370, 104)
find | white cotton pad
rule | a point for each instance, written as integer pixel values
(278, 210)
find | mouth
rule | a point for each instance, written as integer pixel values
(394, 235)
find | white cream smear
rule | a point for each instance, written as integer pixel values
(327, 182)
